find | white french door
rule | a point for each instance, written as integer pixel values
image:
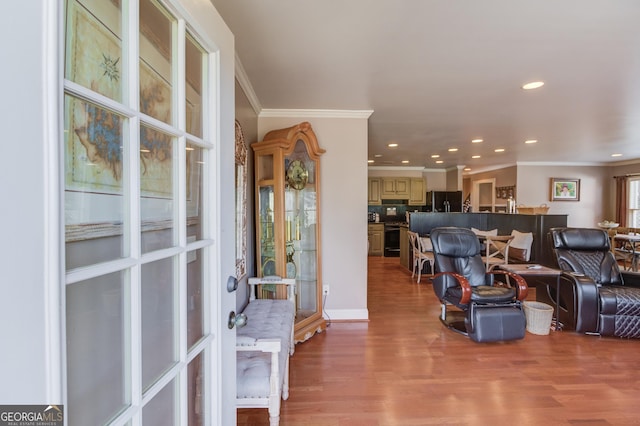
(144, 162)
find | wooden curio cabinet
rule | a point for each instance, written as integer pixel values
(287, 173)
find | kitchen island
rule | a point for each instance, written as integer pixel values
(537, 224)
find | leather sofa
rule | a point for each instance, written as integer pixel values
(595, 296)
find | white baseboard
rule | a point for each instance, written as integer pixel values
(347, 314)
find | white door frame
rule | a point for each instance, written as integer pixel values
(475, 193)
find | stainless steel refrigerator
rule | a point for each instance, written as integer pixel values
(444, 201)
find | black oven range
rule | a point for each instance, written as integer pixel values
(392, 239)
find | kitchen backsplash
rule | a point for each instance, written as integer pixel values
(394, 212)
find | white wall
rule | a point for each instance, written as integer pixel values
(343, 198)
(30, 356)
(534, 187)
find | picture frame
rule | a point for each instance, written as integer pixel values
(242, 155)
(565, 189)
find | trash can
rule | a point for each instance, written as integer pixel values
(539, 316)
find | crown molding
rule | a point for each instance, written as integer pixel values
(624, 163)
(243, 81)
(559, 163)
(397, 168)
(455, 168)
(315, 113)
(489, 169)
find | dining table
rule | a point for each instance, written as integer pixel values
(629, 247)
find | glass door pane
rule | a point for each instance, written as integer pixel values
(161, 410)
(195, 279)
(93, 164)
(93, 46)
(267, 265)
(97, 360)
(194, 66)
(158, 319)
(195, 186)
(156, 61)
(302, 203)
(196, 391)
(157, 151)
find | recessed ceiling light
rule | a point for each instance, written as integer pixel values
(392, 145)
(476, 141)
(475, 156)
(616, 155)
(189, 148)
(435, 156)
(439, 162)
(531, 141)
(466, 169)
(377, 155)
(533, 85)
(499, 150)
(371, 161)
(453, 149)
(405, 161)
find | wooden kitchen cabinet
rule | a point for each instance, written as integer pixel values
(376, 239)
(404, 246)
(417, 192)
(412, 189)
(395, 188)
(375, 189)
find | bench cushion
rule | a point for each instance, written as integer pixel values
(269, 319)
(266, 319)
(253, 370)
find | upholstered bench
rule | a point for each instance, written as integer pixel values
(263, 347)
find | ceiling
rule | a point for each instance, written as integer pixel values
(439, 73)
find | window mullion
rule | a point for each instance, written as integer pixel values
(132, 227)
(181, 220)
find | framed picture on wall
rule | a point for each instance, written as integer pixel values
(565, 189)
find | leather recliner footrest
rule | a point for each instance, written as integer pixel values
(492, 323)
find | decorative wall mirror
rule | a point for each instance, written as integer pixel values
(241, 203)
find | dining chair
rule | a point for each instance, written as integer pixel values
(496, 250)
(421, 254)
(626, 249)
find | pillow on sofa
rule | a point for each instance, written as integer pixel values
(520, 248)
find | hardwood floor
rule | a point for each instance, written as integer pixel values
(404, 368)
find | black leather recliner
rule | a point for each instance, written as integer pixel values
(595, 296)
(488, 313)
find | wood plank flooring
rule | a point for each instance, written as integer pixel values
(404, 368)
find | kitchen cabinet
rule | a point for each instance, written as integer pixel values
(375, 233)
(404, 246)
(417, 193)
(375, 189)
(412, 189)
(395, 188)
(287, 185)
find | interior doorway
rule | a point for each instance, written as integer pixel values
(483, 195)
